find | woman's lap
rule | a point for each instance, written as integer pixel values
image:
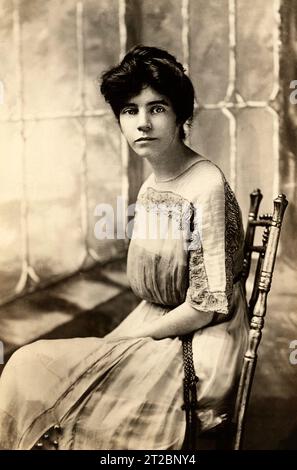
(38, 374)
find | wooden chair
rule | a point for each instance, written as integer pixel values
(230, 434)
(257, 304)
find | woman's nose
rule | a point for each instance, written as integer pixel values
(144, 123)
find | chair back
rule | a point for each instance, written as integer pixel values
(257, 303)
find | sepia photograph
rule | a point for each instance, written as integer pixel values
(148, 227)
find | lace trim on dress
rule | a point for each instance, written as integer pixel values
(167, 204)
(233, 230)
(199, 291)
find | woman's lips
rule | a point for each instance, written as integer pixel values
(145, 139)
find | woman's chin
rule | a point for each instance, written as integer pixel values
(143, 153)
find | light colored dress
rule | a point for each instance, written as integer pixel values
(118, 392)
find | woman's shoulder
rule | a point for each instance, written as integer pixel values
(207, 170)
(203, 178)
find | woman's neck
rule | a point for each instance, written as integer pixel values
(172, 163)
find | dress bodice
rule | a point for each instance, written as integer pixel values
(187, 240)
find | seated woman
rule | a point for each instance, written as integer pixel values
(125, 391)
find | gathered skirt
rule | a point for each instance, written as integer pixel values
(118, 392)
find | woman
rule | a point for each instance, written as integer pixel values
(125, 391)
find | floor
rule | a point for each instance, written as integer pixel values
(94, 302)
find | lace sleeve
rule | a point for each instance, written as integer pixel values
(216, 234)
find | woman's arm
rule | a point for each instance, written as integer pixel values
(179, 321)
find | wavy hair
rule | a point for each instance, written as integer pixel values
(150, 66)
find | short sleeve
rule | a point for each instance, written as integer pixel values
(215, 239)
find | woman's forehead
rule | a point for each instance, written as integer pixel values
(147, 96)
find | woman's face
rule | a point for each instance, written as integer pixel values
(148, 122)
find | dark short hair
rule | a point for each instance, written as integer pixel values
(149, 66)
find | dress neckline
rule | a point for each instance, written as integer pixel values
(172, 178)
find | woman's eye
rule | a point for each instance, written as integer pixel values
(130, 111)
(158, 109)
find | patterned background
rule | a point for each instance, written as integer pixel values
(61, 152)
